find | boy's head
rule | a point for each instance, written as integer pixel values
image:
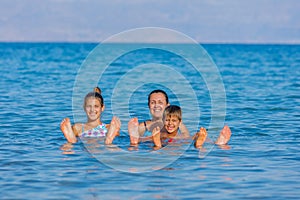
(172, 110)
(172, 118)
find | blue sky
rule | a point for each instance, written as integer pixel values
(226, 21)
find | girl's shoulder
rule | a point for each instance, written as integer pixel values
(149, 125)
(145, 123)
(78, 125)
(77, 128)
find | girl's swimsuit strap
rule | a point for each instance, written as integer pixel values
(145, 124)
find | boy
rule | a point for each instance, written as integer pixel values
(172, 118)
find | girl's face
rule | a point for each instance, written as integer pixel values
(157, 105)
(93, 108)
(172, 124)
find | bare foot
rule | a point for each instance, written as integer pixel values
(224, 136)
(65, 127)
(200, 137)
(133, 129)
(114, 130)
(156, 136)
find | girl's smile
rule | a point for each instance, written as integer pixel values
(157, 105)
(93, 109)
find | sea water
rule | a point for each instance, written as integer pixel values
(262, 103)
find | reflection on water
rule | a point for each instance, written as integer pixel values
(67, 148)
(144, 158)
(262, 109)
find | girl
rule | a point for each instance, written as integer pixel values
(93, 107)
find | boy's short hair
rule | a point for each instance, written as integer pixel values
(172, 110)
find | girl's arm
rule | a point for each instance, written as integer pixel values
(142, 129)
(77, 129)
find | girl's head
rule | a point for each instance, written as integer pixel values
(172, 118)
(96, 94)
(94, 104)
(162, 93)
(157, 101)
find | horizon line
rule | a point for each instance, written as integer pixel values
(120, 42)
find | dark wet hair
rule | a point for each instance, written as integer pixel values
(172, 110)
(158, 91)
(96, 94)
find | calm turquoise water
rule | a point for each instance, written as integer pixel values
(262, 108)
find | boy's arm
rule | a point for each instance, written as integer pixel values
(184, 131)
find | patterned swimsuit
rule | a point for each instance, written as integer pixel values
(99, 131)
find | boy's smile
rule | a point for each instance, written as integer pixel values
(172, 124)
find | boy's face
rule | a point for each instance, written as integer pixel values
(172, 123)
